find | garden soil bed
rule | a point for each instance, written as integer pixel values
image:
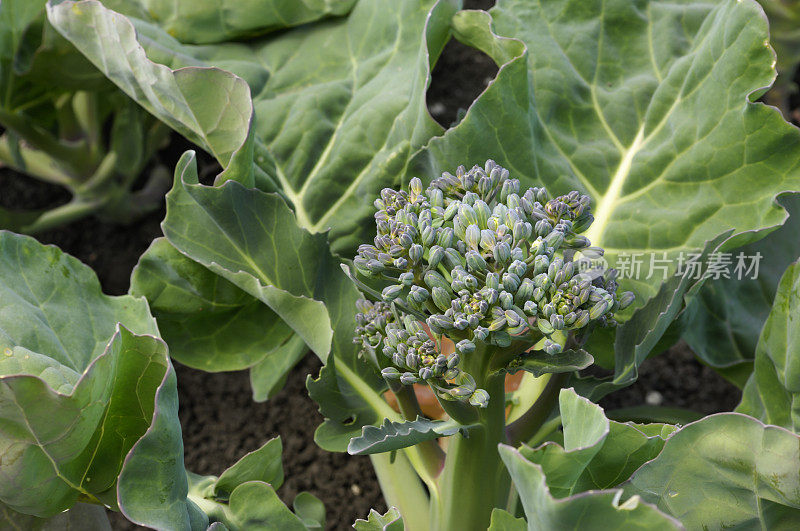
(221, 422)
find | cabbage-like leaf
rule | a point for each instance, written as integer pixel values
(728, 314)
(392, 435)
(581, 511)
(243, 497)
(208, 322)
(724, 471)
(597, 453)
(81, 517)
(251, 239)
(340, 105)
(539, 362)
(389, 521)
(78, 378)
(772, 393)
(208, 21)
(647, 107)
(504, 521)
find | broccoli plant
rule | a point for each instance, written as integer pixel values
(65, 124)
(89, 414)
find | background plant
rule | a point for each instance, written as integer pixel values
(89, 414)
(65, 124)
(643, 136)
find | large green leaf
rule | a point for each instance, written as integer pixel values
(772, 393)
(81, 517)
(727, 317)
(725, 471)
(243, 497)
(583, 511)
(644, 105)
(597, 453)
(340, 105)
(251, 239)
(209, 106)
(208, 322)
(207, 21)
(76, 388)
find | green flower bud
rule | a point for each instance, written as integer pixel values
(467, 216)
(502, 253)
(476, 262)
(545, 327)
(480, 333)
(425, 373)
(493, 281)
(434, 279)
(531, 308)
(452, 258)
(538, 247)
(445, 237)
(538, 294)
(435, 197)
(454, 359)
(427, 236)
(510, 282)
(451, 210)
(440, 321)
(407, 278)
(506, 300)
(479, 398)
(390, 293)
(512, 318)
(441, 298)
(554, 239)
(525, 291)
(543, 227)
(557, 321)
(598, 309)
(551, 347)
(435, 256)
(626, 299)
(548, 310)
(408, 379)
(482, 213)
(390, 373)
(415, 253)
(418, 294)
(415, 186)
(465, 346)
(375, 267)
(542, 281)
(473, 236)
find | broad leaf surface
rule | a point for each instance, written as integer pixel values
(389, 521)
(208, 21)
(81, 517)
(729, 313)
(208, 322)
(251, 239)
(504, 521)
(539, 362)
(582, 511)
(597, 453)
(340, 105)
(76, 388)
(772, 393)
(646, 106)
(725, 471)
(392, 435)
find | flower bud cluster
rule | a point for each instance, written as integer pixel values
(482, 261)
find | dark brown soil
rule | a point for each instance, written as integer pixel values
(220, 421)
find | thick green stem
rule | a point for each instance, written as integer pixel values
(60, 216)
(474, 480)
(430, 451)
(529, 423)
(403, 489)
